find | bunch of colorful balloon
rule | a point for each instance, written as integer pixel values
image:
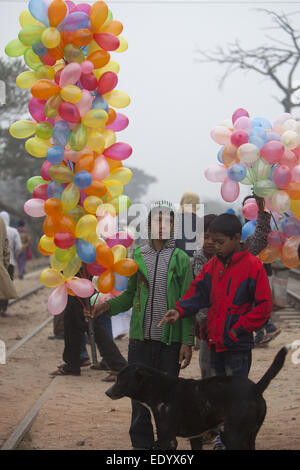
(80, 187)
(263, 155)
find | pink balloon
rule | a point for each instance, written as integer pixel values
(69, 112)
(119, 124)
(36, 109)
(230, 190)
(81, 287)
(101, 168)
(296, 151)
(239, 137)
(239, 113)
(70, 74)
(221, 135)
(251, 200)
(107, 82)
(41, 192)
(95, 269)
(58, 299)
(250, 211)
(84, 7)
(87, 67)
(118, 151)
(35, 207)
(289, 159)
(277, 238)
(243, 123)
(73, 156)
(277, 126)
(120, 238)
(107, 41)
(296, 174)
(45, 170)
(282, 176)
(272, 151)
(216, 173)
(84, 105)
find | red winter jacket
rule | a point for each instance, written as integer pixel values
(238, 296)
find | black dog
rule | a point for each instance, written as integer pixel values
(187, 407)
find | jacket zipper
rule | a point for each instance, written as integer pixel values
(152, 300)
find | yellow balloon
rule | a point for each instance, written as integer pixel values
(85, 226)
(119, 252)
(93, 46)
(26, 19)
(50, 38)
(47, 243)
(37, 147)
(51, 278)
(95, 118)
(112, 66)
(22, 129)
(71, 93)
(70, 197)
(94, 240)
(45, 71)
(117, 98)
(123, 44)
(123, 175)
(26, 79)
(96, 141)
(91, 204)
(56, 264)
(110, 137)
(72, 268)
(295, 207)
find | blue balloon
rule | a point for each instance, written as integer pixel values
(261, 122)
(230, 211)
(55, 189)
(258, 137)
(220, 155)
(291, 227)
(39, 10)
(273, 136)
(83, 179)
(39, 49)
(237, 172)
(74, 21)
(61, 133)
(121, 282)
(248, 229)
(100, 103)
(85, 251)
(55, 154)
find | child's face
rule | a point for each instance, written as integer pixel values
(208, 244)
(161, 226)
(225, 246)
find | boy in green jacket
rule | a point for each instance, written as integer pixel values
(163, 276)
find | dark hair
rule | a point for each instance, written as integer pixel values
(21, 223)
(246, 198)
(227, 224)
(207, 220)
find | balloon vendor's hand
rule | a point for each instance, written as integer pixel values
(170, 318)
(185, 356)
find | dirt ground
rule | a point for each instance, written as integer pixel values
(78, 415)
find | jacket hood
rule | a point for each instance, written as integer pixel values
(5, 217)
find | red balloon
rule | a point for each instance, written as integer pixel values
(64, 240)
(69, 112)
(107, 82)
(41, 192)
(107, 41)
(89, 81)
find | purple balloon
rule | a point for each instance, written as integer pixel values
(119, 124)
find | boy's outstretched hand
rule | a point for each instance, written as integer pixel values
(96, 311)
(170, 318)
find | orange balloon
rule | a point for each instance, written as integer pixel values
(57, 11)
(82, 37)
(126, 267)
(269, 254)
(66, 224)
(105, 256)
(70, 292)
(114, 164)
(111, 116)
(85, 163)
(53, 206)
(293, 190)
(113, 26)
(67, 37)
(44, 89)
(97, 188)
(98, 15)
(99, 58)
(106, 282)
(229, 154)
(50, 226)
(57, 52)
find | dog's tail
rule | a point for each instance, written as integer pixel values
(273, 370)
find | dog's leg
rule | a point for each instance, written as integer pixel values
(196, 443)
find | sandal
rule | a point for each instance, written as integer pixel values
(85, 363)
(63, 371)
(112, 377)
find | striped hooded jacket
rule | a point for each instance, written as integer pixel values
(238, 297)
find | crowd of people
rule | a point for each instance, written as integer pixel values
(212, 296)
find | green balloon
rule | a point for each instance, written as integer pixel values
(31, 34)
(43, 130)
(35, 181)
(32, 60)
(15, 48)
(78, 138)
(264, 188)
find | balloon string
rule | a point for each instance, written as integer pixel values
(274, 220)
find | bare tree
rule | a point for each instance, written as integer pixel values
(277, 60)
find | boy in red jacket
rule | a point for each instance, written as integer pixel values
(235, 287)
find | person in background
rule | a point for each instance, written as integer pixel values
(25, 253)
(188, 223)
(7, 288)
(15, 246)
